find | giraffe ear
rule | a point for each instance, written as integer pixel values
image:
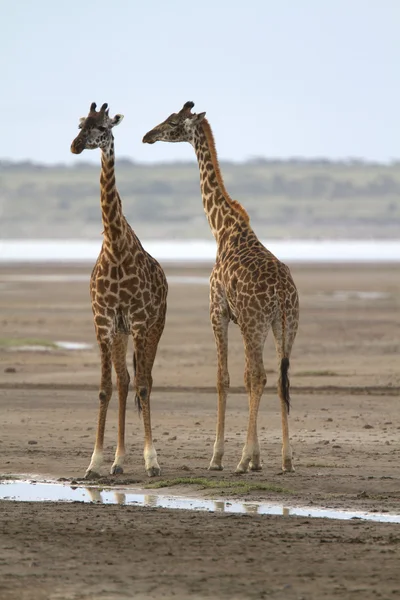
(81, 122)
(116, 120)
(198, 118)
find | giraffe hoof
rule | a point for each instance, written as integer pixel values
(214, 467)
(116, 470)
(153, 471)
(256, 467)
(240, 470)
(288, 469)
(92, 475)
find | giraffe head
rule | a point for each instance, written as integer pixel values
(96, 130)
(179, 127)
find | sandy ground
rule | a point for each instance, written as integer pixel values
(345, 434)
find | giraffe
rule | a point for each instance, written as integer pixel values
(248, 285)
(128, 290)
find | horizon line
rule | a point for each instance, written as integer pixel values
(350, 160)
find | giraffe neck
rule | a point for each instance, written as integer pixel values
(223, 213)
(114, 222)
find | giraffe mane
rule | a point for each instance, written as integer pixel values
(237, 207)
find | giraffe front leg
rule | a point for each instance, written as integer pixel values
(119, 360)
(93, 471)
(219, 444)
(251, 451)
(149, 453)
(255, 462)
(220, 322)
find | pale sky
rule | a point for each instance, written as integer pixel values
(277, 78)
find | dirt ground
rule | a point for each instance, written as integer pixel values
(345, 433)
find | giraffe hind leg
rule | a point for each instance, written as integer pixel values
(145, 348)
(283, 351)
(255, 462)
(283, 392)
(255, 379)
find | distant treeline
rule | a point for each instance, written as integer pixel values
(285, 198)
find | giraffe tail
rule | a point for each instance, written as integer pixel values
(138, 402)
(284, 383)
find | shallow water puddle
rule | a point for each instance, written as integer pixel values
(25, 491)
(74, 345)
(52, 346)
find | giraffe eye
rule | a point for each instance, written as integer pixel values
(101, 128)
(173, 123)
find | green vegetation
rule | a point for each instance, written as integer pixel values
(235, 487)
(293, 198)
(18, 342)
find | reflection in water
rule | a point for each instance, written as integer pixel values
(251, 508)
(94, 494)
(151, 500)
(120, 498)
(24, 491)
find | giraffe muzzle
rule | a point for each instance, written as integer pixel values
(76, 147)
(148, 139)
